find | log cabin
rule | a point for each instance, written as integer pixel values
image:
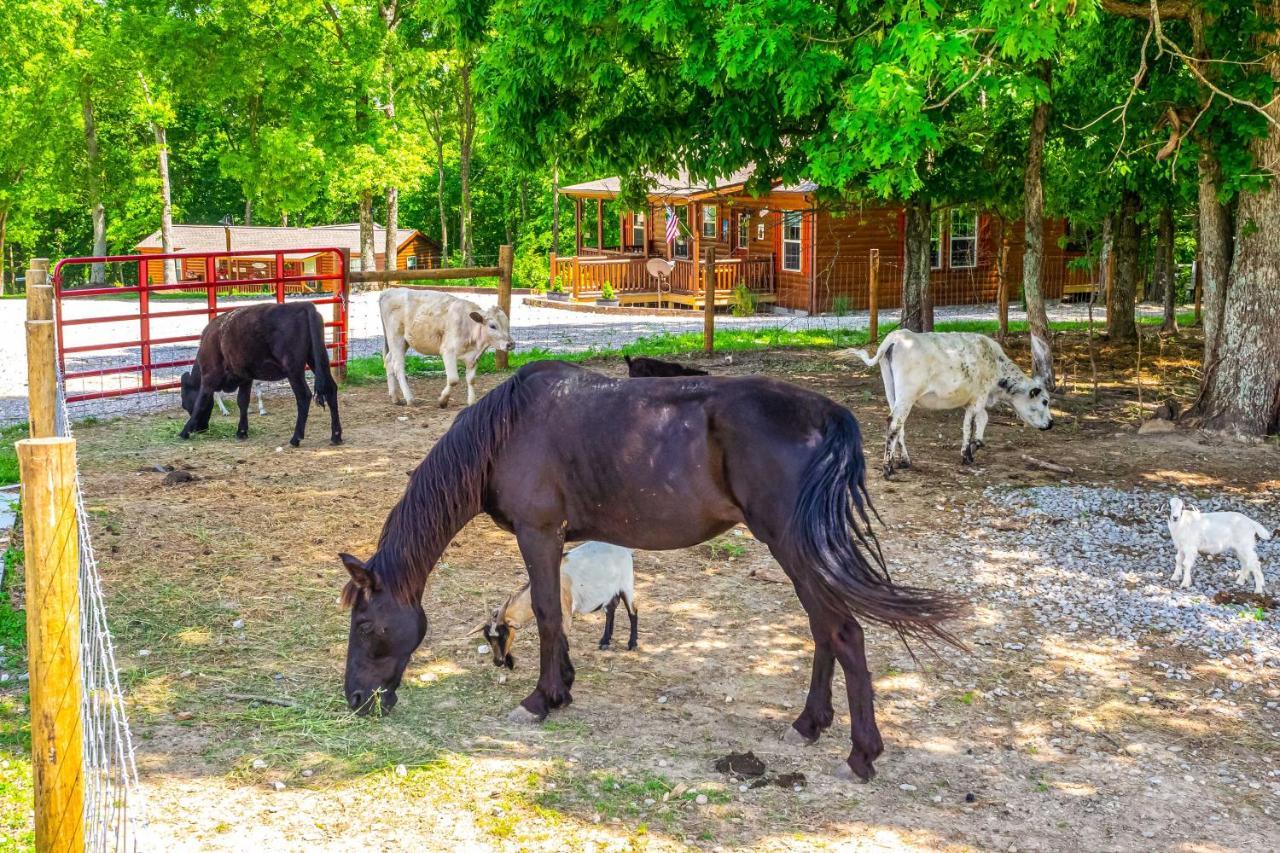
(793, 252)
(416, 250)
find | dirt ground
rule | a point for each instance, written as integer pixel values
(1036, 739)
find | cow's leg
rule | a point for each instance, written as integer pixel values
(980, 427)
(394, 362)
(450, 359)
(471, 379)
(262, 410)
(543, 549)
(242, 400)
(966, 444)
(222, 406)
(897, 423)
(904, 458)
(302, 394)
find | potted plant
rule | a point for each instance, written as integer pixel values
(557, 293)
(607, 296)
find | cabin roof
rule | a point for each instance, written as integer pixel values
(213, 238)
(678, 187)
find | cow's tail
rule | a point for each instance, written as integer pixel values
(869, 361)
(830, 532)
(326, 388)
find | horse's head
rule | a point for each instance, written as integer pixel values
(190, 388)
(384, 633)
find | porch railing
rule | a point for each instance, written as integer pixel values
(586, 275)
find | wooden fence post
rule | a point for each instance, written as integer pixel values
(505, 261)
(42, 374)
(48, 468)
(873, 299)
(709, 300)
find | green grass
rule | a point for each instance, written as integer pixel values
(9, 453)
(16, 829)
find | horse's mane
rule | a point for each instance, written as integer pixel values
(445, 491)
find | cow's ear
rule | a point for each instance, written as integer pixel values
(478, 317)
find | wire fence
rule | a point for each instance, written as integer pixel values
(114, 812)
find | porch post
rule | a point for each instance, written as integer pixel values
(694, 212)
(577, 226)
(600, 225)
(622, 230)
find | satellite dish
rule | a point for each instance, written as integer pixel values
(659, 267)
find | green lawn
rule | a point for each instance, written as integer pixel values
(9, 454)
(16, 832)
(370, 368)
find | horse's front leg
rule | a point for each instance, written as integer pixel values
(302, 394)
(242, 399)
(543, 549)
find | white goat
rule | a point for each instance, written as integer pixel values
(220, 398)
(594, 575)
(1195, 532)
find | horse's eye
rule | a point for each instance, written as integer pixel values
(365, 628)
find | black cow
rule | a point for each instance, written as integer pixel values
(267, 343)
(641, 366)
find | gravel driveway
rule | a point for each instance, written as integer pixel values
(533, 327)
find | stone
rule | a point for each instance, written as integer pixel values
(1156, 426)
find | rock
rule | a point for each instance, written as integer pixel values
(237, 625)
(1156, 427)
(308, 773)
(183, 715)
(259, 764)
(701, 799)
(482, 649)
(277, 785)
(173, 478)
(662, 700)
(401, 771)
(970, 797)
(905, 786)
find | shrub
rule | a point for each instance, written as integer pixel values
(840, 306)
(744, 301)
(606, 292)
(531, 268)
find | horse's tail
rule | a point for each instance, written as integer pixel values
(326, 388)
(831, 530)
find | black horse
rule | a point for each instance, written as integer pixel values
(638, 366)
(265, 342)
(718, 451)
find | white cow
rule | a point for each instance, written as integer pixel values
(436, 323)
(1195, 532)
(952, 370)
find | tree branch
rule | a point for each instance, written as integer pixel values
(1176, 9)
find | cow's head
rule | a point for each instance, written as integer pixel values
(495, 329)
(1029, 399)
(190, 388)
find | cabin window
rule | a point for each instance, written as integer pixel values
(411, 262)
(709, 221)
(791, 241)
(964, 239)
(744, 229)
(759, 230)
(935, 242)
(637, 230)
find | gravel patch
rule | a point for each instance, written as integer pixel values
(1096, 560)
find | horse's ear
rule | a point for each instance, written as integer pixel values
(362, 580)
(478, 317)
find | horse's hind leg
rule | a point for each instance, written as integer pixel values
(818, 713)
(302, 394)
(543, 549)
(848, 643)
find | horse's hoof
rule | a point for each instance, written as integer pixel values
(184, 435)
(242, 435)
(523, 715)
(604, 647)
(794, 738)
(337, 439)
(631, 647)
(845, 772)
(294, 442)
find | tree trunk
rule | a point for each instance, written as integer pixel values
(248, 211)
(555, 207)
(98, 213)
(4, 225)
(1215, 252)
(1168, 283)
(437, 134)
(1242, 392)
(466, 134)
(1107, 249)
(1120, 317)
(915, 275)
(166, 199)
(1033, 253)
(368, 252)
(524, 204)
(393, 228)
(284, 219)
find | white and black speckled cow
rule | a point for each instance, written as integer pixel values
(952, 370)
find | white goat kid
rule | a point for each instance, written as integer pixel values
(952, 370)
(594, 575)
(220, 398)
(438, 324)
(1195, 533)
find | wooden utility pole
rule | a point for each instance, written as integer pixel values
(709, 300)
(42, 374)
(1002, 297)
(52, 545)
(505, 262)
(873, 299)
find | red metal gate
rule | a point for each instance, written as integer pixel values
(318, 276)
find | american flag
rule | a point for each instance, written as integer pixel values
(673, 224)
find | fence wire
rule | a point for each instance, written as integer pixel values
(114, 812)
